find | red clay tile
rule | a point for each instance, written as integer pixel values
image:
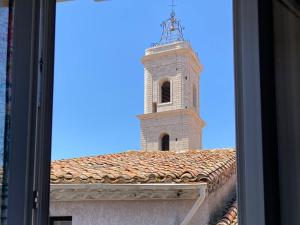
(211, 166)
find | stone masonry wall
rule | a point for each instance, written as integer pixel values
(181, 69)
(182, 129)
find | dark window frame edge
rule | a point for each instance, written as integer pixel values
(22, 130)
(250, 186)
(33, 29)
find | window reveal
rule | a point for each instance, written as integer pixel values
(165, 92)
(61, 220)
(165, 142)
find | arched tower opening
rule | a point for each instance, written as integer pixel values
(165, 92)
(165, 142)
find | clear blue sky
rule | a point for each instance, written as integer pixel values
(99, 78)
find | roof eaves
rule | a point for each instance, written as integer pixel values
(80, 192)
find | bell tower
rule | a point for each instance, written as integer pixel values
(171, 119)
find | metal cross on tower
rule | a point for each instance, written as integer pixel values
(173, 6)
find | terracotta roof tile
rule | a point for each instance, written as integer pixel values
(231, 216)
(211, 166)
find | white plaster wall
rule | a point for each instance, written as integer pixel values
(123, 212)
(152, 212)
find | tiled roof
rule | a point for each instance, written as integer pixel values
(231, 216)
(210, 166)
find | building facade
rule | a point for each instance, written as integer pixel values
(143, 188)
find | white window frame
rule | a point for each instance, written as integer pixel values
(160, 83)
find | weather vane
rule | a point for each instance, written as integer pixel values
(172, 28)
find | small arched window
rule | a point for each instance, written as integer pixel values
(165, 142)
(165, 92)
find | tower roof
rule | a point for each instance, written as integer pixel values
(172, 29)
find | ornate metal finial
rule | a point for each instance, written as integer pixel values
(172, 29)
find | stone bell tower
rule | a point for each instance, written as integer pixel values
(171, 119)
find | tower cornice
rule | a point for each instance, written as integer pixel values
(190, 112)
(178, 48)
